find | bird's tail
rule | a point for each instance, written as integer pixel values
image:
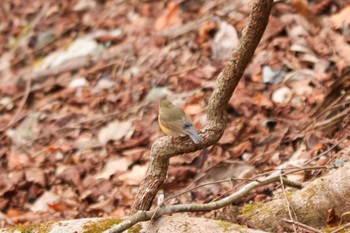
(194, 135)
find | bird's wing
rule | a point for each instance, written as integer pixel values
(176, 126)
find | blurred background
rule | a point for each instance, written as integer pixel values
(79, 82)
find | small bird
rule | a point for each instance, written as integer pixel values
(174, 122)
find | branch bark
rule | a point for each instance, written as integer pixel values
(165, 148)
(310, 205)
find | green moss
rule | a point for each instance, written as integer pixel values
(289, 193)
(100, 226)
(249, 209)
(24, 229)
(225, 225)
(32, 228)
(21, 228)
(135, 229)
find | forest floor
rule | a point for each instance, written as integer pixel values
(80, 80)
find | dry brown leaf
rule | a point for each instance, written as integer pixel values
(134, 176)
(5, 184)
(193, 109)
(116, 130)
(112, 166)
(228, 170)
(36, 176)
(42, 203)
(274, 27)
(225, 40)
(169, 18)
(205, 30)
(105, 205)
(301, 6)
(180, 173)
(71, 175)
(341, 19)
(342, 48)
(60, 207)
(14, 213)
(119, 212)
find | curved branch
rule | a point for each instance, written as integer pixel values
(148, 215)
(164, 148)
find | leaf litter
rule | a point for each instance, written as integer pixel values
(81, 144)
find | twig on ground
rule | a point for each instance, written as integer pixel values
(286, 171)
(329, 149)
(332, 120)
(208, 183)
(141, 216)
(341, 228)
(21, 106)
(289, 207)
(302, 225)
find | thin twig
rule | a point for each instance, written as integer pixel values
(21, 106)
(291, 183)
(288, 204)
(329, 149)
(208, 183)
(302, 225)
(331, 121)
(289, 170)
(255, 178)
(341, 228)
(141, 216)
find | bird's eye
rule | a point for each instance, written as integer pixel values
(187, 125)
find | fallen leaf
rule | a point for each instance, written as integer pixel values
(157, 93)
(134, 176)
(341, 19)
(78, 82)
(228, 170)
(116, 130)
(5, 184)
(94, 189)
(301, 6)
(6, 103)
(42, 203)
(82, 5)
(273, 28)
(17, 160)
(180, 173)
(113, 166)
(225, 40)
(79, 48)
(271, 76)
(193, 109)
(282, 95)
(169, 18)
(205, 30)
(60, 207)
(36, 176)
(14, 213)
(71, 175)
(27, 131)
(119, 212)
(105, 206)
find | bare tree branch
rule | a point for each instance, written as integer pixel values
(148, 215)
(163, 149)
